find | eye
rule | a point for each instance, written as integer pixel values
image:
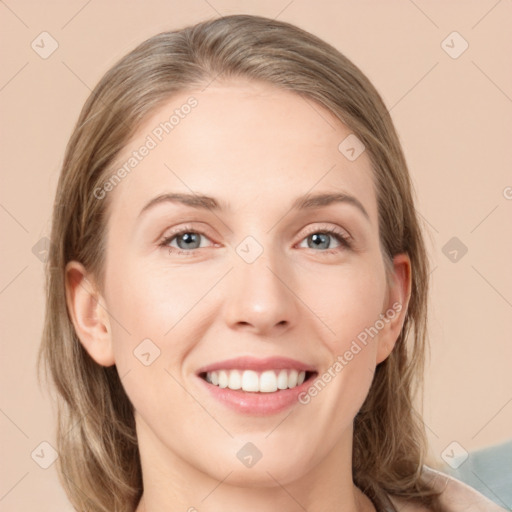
(320, 239)
(187, 239)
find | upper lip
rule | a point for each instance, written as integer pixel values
(257, 364)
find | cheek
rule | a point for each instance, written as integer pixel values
(347, 299)
(140, 316)
(153, 329)
(151, 300)
(158, 314)
(351, 308)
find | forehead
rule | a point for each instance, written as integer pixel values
(242, 142)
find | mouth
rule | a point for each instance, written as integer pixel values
(252, 381)
(258, 387)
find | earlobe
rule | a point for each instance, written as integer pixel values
(395, 309)
(88, 313)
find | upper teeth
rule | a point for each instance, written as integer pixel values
(249, 380)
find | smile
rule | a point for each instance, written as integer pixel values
(268, 381)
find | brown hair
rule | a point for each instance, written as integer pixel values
(99, 463)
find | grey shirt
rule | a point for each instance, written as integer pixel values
(456, 496)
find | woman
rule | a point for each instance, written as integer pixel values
(237, 285)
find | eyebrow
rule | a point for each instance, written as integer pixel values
(319, 200)
(306, 202)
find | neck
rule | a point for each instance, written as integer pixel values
(172, 483)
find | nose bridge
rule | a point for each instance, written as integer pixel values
(260, 293)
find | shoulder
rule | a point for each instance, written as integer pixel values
(405, 505)
(456, 496)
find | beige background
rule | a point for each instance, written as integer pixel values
(453, 116)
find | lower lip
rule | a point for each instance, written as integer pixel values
(259, 404)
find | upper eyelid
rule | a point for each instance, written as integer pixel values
(324, 226)
(185, 229)
(329, 227)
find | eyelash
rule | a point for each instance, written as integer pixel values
(340, 236)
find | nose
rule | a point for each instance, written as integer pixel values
(261, 298)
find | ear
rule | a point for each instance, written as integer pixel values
(88, 313)
(395, 307)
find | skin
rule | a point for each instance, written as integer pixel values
(256, 148)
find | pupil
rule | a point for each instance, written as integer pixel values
(188, 238)
(318, 241)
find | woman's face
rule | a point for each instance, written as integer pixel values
(254, 274)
